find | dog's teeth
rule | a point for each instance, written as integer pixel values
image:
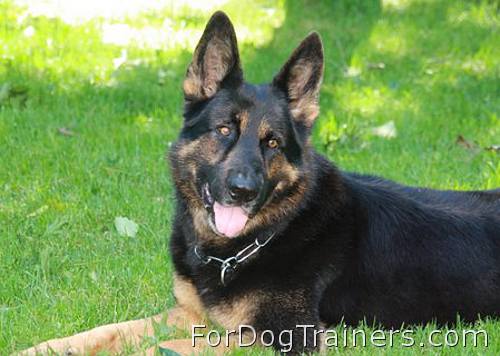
(209, 196)
(209, 201)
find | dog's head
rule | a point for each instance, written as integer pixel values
(239, 162)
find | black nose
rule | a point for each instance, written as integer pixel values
(242, 187)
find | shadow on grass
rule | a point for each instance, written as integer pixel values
(137, 90)
(345, 27)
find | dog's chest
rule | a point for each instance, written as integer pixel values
(229, 312)
(234, 312)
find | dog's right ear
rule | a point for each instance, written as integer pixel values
(215, 61)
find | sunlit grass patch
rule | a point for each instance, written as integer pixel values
(389, 40)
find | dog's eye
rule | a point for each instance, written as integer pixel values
(224, 130)
(272, 143)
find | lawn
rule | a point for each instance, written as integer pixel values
(88, 109)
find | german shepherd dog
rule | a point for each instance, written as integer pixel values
(270, 234)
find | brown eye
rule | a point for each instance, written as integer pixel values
(272, 143)
(224, 130)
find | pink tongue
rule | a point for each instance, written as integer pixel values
(229, 220)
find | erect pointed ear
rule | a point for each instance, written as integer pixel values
(215, 60)
(300, 79)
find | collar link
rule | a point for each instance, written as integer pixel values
(230, 264)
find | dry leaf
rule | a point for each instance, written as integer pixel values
(65, 131)
(494, 148)
(379, 65)
(387, 130)
(351, 72)
(461, 141)
(126, 227)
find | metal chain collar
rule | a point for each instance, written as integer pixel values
(229, 264)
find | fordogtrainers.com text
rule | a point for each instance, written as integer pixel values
(247, 336)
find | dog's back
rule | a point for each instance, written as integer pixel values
(473, 202)
(421, 255)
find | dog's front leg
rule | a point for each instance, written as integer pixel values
(111, 337)
(114, 337)
(298, 335)
(304, 335)
(289, 322)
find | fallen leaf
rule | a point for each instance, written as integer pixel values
(379, 65)
(351, 72)
(387, 130)
(461, 141)
(126, 227)
(494, 148)
(65, 131)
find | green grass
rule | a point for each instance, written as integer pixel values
(431, 67)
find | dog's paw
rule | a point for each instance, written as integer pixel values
(53, 347)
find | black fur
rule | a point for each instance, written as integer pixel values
(354, 248)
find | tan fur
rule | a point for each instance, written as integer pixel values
(114, 337)
(243, 119)
(299, 76)
(303, 104)
(264, 129)
(200, 218)
(203, 149)
(187, 188)
(323, 350)
(306, 108)
(217, 58)
(110, 337)
(192, 85)
(188, 149)
(210, 150)
(279, 169)
(231, 314)
(187, 296)
(185, 347)
(274, 212)
(203, 82)
(189, 155)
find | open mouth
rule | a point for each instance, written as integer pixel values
(225, 220)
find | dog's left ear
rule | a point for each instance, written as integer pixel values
(300, 79)
(215, 60)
